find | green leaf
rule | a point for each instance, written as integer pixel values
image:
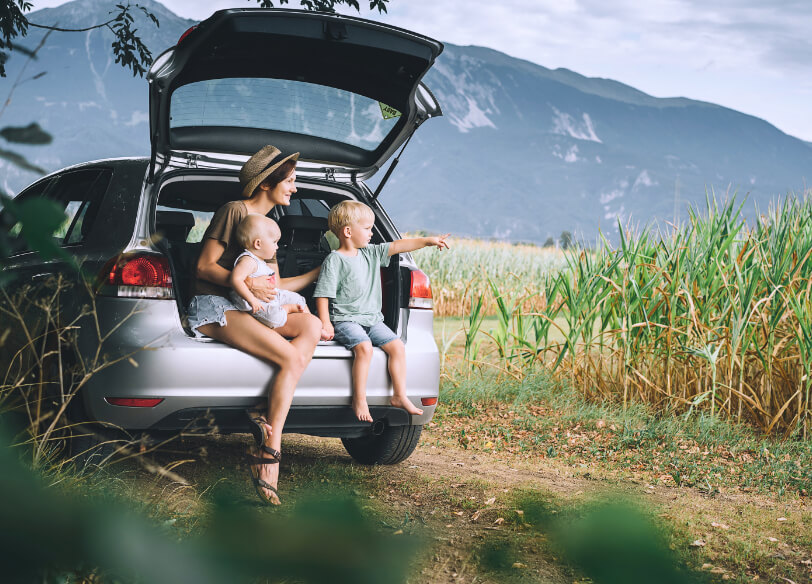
(40, 218)
(30, 134)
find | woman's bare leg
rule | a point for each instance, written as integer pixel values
(304, 330)
(397, 371)
(247, 334)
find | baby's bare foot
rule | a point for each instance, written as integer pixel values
(291, 308)
(361, 410)
(406, 404)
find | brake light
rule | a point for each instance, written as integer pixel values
(185, 34)
(428, 401)
(134, 402)
(137, 275)
(420, 291)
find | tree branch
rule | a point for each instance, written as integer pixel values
(58, 29)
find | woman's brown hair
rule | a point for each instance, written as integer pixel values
(280, 174)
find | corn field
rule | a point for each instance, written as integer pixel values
(465, 268)
(714, 317)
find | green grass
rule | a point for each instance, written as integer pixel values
(700, 451)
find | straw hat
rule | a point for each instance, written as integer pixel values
(257, 168)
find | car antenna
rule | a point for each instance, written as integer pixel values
(393, 165)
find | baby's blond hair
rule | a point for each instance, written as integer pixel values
(254, 226)
(347, 213)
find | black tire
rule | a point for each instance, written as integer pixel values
(395, 444)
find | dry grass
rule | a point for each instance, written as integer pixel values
(464, 270)
(715, 316)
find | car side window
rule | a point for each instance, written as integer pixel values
(80, 193)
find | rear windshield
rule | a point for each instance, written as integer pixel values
(282, 105)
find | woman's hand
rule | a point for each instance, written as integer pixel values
(263, 287)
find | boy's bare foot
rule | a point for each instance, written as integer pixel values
(406, 404)
(361, 410)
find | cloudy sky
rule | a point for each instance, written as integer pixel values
(754, 56)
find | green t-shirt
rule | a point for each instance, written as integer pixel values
(353, 284)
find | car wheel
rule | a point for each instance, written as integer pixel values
(394, 444)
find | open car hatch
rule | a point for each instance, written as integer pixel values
(344, 92)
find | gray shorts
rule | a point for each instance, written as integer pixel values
(350, 334)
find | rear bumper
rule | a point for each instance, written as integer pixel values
(156, 358)
(330, 421)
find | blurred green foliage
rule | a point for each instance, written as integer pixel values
(30, 134)
(610, 543)
(51, 534)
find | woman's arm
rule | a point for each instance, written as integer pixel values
(208, 269)
(297, 283)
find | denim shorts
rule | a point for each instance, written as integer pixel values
(350, 334)
(208, 309)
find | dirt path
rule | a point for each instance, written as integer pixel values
(460, 500)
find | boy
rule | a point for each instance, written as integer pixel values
(348, 300)
(259, 235)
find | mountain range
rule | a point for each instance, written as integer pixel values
(522, 152)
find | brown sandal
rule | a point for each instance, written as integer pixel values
(260, 484)
(259, 430)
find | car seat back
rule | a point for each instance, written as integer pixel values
(302, 246)
(175, 227)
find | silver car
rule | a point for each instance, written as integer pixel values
(344, 92)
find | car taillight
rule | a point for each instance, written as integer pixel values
(137, 275)
(420, 291)
(428, 401)
(134, 402)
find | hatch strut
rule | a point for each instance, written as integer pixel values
(152, 156)
(394, 163)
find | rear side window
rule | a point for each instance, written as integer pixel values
(79, 193)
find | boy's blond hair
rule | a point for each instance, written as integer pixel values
(255, 226)
(347, 213)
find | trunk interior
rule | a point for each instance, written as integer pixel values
(185, 208)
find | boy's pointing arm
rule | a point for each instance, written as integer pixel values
(412, 244)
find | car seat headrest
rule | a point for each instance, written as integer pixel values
(300, 232)
(175, 225)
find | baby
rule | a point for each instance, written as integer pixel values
(259, 235)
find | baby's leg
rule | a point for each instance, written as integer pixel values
(286, 297)
(397, 371)
(360, 373)
(272, 316)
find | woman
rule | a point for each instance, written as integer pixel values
(267, 180)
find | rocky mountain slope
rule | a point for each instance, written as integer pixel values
(523, 152)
